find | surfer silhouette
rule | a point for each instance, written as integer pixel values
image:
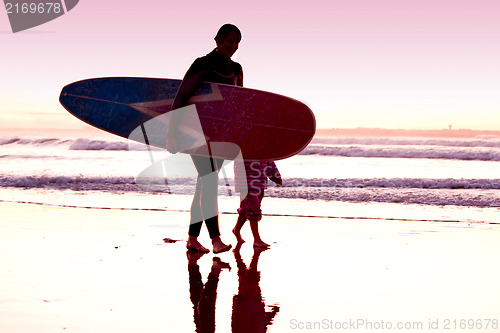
(216, 67)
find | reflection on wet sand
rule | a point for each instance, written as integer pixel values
(249, 310)
(203, 296)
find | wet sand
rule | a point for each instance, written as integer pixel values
(102, 270)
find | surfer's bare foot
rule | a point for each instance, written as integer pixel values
(194, 245)
(219, 246)
(218, 265)
(238, 236)
(260, 244)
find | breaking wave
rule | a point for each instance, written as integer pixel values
(473, 192)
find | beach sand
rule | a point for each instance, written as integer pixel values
(69, 269)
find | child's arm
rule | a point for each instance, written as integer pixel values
(273, 173)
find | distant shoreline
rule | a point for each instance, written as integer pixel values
(384, 132)
(346, 132)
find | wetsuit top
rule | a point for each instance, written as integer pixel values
(218, 69)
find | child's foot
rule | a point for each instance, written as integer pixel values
(238, 236)
(261, 244)
(194, 245)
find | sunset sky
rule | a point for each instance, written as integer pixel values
(415, 64)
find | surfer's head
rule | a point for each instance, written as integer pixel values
(228, 38)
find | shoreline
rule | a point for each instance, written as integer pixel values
(272, 206)
(333, 217)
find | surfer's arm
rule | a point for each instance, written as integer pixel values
(186, 90)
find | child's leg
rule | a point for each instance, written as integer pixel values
(237, 228)
(254, 222)
(242, 218)
(257, 241)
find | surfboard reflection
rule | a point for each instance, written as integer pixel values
(249, 313)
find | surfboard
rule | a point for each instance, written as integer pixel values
(264, 125)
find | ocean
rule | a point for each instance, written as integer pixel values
(400, 178)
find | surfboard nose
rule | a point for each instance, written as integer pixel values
(65, 97)
(62, 97)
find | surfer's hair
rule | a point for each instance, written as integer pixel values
(225, 30)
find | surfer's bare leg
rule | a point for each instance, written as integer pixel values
(257, 241)
(204, 206)
(237, 228)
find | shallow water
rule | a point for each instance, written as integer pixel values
(430, 174)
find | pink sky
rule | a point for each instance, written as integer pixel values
(356, 63)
